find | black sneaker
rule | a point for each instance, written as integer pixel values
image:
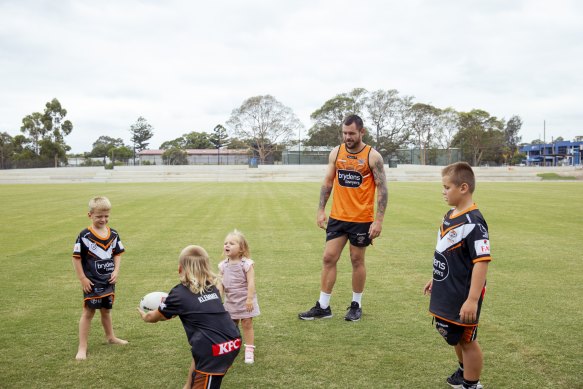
(456, 380)
(354, 312)
(316, 313)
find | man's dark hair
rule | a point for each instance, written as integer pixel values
(348, 120)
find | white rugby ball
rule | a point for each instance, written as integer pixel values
(152, 301)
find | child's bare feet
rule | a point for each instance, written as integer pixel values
(117, 341)
(81, 355)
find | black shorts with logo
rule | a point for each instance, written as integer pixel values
(453, 333)
(357, 232)
(101, 302)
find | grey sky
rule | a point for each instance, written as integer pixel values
(185, 65)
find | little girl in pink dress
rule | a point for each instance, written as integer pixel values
(238, 275)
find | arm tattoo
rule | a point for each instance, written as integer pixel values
(381, 184)
(324, 196)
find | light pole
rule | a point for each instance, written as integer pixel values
(299, 146)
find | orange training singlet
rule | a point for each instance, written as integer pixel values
(354, 187)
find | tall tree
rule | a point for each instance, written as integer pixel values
(103, 146)
(6, 149)
(141, 132)
(327, 128)
(33, 126)
(219, 138)
(511, 137)
(48, 130)
(177, 143)
(197, 140)
(265, 122)
(175, 156)
(476, 134)
(389, 117)
(424, 126)
(446, 129)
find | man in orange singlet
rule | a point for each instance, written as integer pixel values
(355, 171)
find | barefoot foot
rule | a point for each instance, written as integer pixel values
(81, 355)
(117, 341)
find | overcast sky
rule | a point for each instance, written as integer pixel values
(185, 65)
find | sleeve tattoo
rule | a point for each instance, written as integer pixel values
(381, 184)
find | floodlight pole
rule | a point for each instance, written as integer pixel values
(299, 146)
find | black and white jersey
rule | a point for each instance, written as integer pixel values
(96, 253)
(462, 241)
(214, 338)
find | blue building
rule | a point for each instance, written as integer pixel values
(564, 153)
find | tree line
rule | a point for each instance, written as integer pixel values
(265, 126)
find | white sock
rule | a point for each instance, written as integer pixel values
(357, 297)
(324, 300)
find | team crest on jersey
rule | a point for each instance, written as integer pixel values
(452, 236)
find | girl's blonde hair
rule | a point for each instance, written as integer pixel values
(243, 245)
(196, 273)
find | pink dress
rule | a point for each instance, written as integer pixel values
(235, 284)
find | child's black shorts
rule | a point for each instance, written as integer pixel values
(98, 303)
(357, 232)
(453, 333)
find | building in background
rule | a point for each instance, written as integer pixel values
(563, 153)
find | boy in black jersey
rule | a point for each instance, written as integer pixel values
(96, 260)
(460, 264)
(214, 339)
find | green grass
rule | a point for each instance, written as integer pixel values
(530, 329)
(555, 176)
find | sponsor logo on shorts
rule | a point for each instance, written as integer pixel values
(227, 347)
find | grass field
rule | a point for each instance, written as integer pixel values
(530, 329)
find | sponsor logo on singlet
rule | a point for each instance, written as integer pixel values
(440, 267)
(227, 347)
(349, 178)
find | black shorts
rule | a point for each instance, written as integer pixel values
(206, 381)
(453, 333)
(357, 232)
(98, 303)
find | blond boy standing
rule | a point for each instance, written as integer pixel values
(96, 259)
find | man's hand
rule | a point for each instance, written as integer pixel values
(375, 229)
(321, 219)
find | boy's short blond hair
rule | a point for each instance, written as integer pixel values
(99, 203)
(460, 173)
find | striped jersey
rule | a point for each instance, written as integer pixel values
(462, 241)
(96, 253)
(354, 187)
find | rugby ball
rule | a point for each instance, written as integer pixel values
(152, 301)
